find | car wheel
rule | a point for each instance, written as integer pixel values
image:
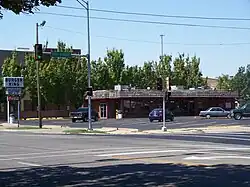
(73, 120)
(208, 116)
(237, 116)
(151, 120)
(85, 119)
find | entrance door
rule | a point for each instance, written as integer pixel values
(103, 110)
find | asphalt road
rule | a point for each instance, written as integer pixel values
(80, 160)
(144, 124)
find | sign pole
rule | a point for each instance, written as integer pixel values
(164, 128)
(18, 112)
(8, 110)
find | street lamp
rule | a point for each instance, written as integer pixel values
(37, 77)
(164, 128)
(85, 4)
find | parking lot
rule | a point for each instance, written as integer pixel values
(144, 124)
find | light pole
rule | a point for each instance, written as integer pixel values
(37, 78)
(164, 128)
(85, 4)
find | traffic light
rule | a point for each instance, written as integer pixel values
(159, 84)
(90, 91)
(38, 51)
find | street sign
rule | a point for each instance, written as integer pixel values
(61, 54)
(13, 98)
(13, 82)
(13, 91)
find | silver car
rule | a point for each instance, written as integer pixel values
(215, 112)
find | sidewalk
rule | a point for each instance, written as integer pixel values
(52, 129)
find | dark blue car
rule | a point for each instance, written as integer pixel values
(156, 114)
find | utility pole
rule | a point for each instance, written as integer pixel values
(85, 4)
(89, 69)
(38, 78)
(164, 128)
(38, 83)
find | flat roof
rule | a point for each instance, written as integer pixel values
(144, 93)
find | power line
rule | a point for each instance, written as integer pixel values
(150, 22)
(159, 15)
(154, 42)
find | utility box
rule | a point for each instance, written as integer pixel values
(12, 118)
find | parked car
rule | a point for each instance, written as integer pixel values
(82, 114)
(215, 112)
(156, 114)
(243, 111)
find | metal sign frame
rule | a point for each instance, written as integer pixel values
(13, 82)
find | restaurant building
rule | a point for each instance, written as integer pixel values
(139, 102)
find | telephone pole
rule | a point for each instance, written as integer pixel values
(85, 4)
(38, 84)
(164, 128)
(38, 78)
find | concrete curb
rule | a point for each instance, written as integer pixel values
(122, 131)
(49, 118)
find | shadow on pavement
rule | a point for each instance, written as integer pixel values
(170, 175)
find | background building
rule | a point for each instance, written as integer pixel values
(27, 109)
(138, 102)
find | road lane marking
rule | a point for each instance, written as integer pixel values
(218, 137)
(199, 124)
(230, 135)
(133, 123)
(70, 151)
(82, 152)
(140, 152)
(180, 123)
(42, 156)
(29, 164)
(216, 157)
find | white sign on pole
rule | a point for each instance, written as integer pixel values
(13, 91)
(13, 82)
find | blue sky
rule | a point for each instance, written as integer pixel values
(19, 31)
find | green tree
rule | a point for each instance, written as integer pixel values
(2, 91)
(26, 6)
(115, 64)
(11, 67)
(239, 81)
(67, 74)
(78, 80)
(189, 73)
(195, 75)
(138, 77)
(149, 76)
(50, 85)
(30, 78)
(101, 78)
(127, 76)
(224, 82)
(163, 67)
(63, 81)
(179, 71)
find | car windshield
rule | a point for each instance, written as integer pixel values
(82, 109)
